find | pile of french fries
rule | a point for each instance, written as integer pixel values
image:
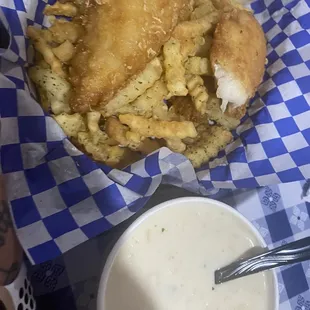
(171, 103)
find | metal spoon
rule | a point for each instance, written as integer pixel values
(290, 253)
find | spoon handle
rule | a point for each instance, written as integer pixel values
(289, 253)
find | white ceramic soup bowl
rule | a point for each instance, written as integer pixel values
(160, 229)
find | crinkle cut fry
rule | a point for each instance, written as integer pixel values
(71, 124)
(64, 52)
(117, 131)
(56, 90)
(101, 152)
(174, 69)
(121, 133)
(214, 139)
(135, 88)
(198, 92)
(202, 8)
(198, 65)
(42, 47)
(176, 145)
(150, 103)
(152, 99)
(97, 135)
(192, 29)
(62, 30)
(159, 129)
(65, 9)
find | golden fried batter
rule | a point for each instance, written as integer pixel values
(158, 129)
(238, 56)
(121, 38)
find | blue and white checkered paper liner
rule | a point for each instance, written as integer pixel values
(60, 198)
(279, 212)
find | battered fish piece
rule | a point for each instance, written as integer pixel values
(121, 37)
(238, 56)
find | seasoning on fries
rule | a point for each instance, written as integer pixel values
(122, 87)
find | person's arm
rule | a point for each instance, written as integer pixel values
(11, 253)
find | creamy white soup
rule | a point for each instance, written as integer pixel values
(168, 263)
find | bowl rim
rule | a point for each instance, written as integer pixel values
(167, 204)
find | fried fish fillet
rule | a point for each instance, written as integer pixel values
(238, 56)
(121, 37)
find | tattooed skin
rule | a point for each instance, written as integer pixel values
(11, 272)
(5, 221)
(2, 306)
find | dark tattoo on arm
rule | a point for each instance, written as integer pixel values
(10, 273)
(2, 306)
(6, 224)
